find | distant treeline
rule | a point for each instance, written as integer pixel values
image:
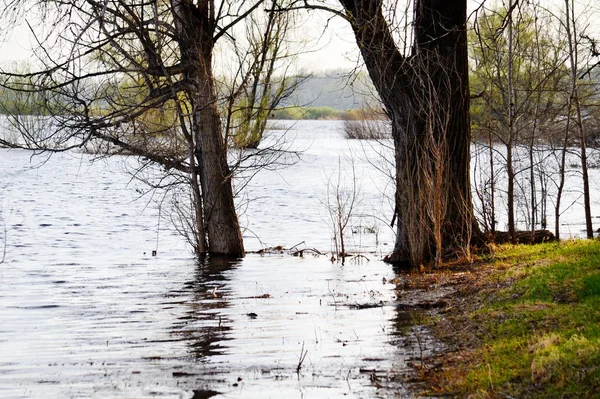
(16, 102)
(20, 103)
(317, 113)
(325, 96)
(325, 113)
(298, 112)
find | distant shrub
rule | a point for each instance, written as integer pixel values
(323, 113)
(366, 124)
(287, 113)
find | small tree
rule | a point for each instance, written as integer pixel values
(342, 198)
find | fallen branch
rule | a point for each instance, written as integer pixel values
(300, 252)
(524, 237)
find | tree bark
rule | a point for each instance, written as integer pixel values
(196, 29)
(426, 96)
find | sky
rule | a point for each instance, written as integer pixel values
(331, 49)
(338, 49)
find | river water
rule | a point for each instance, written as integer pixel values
(86, 310)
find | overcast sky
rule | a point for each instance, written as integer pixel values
(333, 48)
(338, 48)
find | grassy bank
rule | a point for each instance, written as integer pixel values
(528, 325)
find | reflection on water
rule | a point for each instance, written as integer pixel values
(204, 326)
(239, 328)
(248, 323)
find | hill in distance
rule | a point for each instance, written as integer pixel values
(340, 90)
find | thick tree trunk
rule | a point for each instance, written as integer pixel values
(195, 24)
(426, 95)
(224, 235)
(199, 233)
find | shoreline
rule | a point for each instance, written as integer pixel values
(521, 322)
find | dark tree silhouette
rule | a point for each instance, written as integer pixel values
(425, 94)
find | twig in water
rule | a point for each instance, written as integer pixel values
(301, 359)
(300, 252)
(358, 257)
(421, 347)
(332, 295)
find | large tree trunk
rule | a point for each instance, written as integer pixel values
(426, 96)
(195, 24)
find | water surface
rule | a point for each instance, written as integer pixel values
(86, 311)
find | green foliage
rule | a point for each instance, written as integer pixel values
(536, 73)
(541, 336)
(21, 96)
(17, 102)
(298, 112)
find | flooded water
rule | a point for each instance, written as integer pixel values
(265, 327)
(86, 311)
(288, 206)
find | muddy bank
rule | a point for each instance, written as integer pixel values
(445, 298)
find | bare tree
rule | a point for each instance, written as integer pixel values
(574, 103)
(140, 77)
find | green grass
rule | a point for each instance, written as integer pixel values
(541, 335)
